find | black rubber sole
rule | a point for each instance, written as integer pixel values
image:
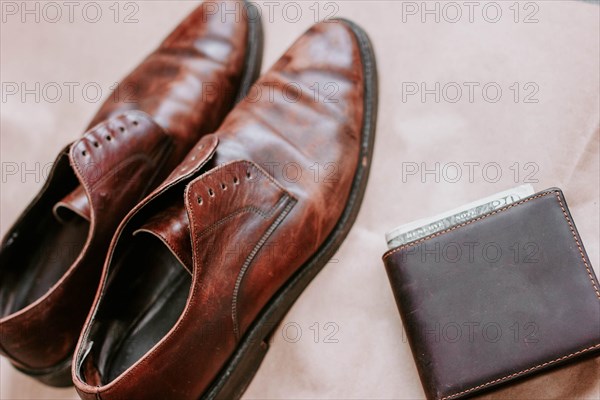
(254, 53)
(57, 376)
(60, 375)
(237, 374)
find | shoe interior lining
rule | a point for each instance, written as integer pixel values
(35, 262)
(146, 294)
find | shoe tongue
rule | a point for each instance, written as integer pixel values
(113, 176)
(75, 203)
(171, 227)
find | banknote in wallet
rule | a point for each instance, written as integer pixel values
(424, 227)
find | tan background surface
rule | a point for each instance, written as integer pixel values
(559, 134)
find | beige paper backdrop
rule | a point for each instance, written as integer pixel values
(555, 140)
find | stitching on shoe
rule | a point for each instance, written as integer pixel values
(263, 214)
(286, 198)
(289, 204)
(259, 212)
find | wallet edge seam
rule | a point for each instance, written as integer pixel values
(516, 374)
(573, 231)
(447, 230)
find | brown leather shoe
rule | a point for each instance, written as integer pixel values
(52, 257)
(203, 269)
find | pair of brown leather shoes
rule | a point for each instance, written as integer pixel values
(206, 260)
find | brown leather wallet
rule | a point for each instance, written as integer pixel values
(496, 298)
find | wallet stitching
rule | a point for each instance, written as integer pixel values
(585, 263)
(522, 372)
(464, 224)
(571, 228)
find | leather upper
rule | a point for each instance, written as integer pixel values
(189, 82)
(248, 214)
(124, 151)
(191, 79)
(179, 93)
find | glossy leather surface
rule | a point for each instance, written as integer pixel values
(241, 216)
(497, 298)
(181, 92)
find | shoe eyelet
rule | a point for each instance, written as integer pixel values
(200, 201)
(84, 153)
(122, 129)
(248, 175)
(108, 137)
(96, 144)
(135, 122)
(236, 181)
(223, 186)
(211, 192)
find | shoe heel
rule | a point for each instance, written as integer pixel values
(57, 376)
